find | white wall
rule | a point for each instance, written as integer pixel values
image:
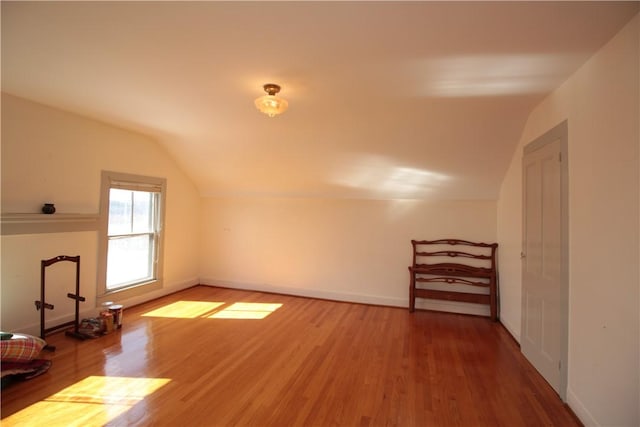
(49, 155)
(354, 250)
(601, 103)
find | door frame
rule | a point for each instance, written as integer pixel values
(560, 131)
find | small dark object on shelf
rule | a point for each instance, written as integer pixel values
(48, 208)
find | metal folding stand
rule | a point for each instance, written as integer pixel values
(42, 305)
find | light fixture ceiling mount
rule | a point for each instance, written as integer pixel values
(270, 104)
(271, 88)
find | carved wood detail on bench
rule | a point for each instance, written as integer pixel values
(475, 267)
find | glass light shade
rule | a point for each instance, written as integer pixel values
(271, 105)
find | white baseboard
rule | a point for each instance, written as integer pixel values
(580, 410)
(309, 293)
(453, 307)
(86, 312)
(165, 290)
(509, 327)
(446, 306)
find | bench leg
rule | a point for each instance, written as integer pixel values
(412, 296)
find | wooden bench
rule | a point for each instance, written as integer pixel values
(454, 262)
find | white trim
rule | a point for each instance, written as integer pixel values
(33, 223)
(166, 290)
(453, 307)
(153, 185)
(308, 293)
(444, 306)
(580, 410)
(509, 327)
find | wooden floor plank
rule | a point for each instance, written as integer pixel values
(307, 363)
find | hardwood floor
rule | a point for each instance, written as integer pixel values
(196, 358)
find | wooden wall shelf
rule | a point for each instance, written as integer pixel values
(33, 223)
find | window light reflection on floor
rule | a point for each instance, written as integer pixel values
(214, 310)
(246, 310)
(185, 309)
(95, 400)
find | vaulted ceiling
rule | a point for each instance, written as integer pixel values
(421, 100)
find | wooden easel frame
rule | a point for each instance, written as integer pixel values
(42, 305)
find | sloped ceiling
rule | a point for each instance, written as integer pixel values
(421, 100)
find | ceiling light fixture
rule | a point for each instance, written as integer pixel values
(270, 104)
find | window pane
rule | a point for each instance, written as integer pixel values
(142, 211)
(129, 260)
(120, 206)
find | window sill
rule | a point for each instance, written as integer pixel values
(33, 223)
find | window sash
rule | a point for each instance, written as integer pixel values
(130, 223)
(125, 266)
(129, 268)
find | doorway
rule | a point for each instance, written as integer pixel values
(545, 250)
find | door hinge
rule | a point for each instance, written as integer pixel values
(560, 157)
(559, 365)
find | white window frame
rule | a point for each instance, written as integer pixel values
(136, 183)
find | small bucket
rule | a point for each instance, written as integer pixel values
(116, 310)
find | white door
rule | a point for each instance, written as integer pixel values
(544, 302)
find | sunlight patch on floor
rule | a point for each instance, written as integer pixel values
(246, 310)
(213, 310)
(185, 309)
(93, 401)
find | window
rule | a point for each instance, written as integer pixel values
(131, 235)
